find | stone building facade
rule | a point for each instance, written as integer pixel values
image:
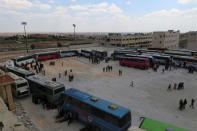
(165, 39)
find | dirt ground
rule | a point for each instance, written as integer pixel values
(148, 98)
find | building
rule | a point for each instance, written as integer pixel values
(189, 40)
(137, 40)
(5, 90)
(165, 39)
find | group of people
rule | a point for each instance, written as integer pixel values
(67, 116)
(95, 60)
(176, 87)
(107, 69)
(70, 75)
(183, 103)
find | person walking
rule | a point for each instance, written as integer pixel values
(69, 117)
(181, 105)
(132, 85)
(192, 103)
(184, 103)
(169, 87)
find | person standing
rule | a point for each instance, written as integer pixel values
(192, 103)
(175, 86)
(65, 73)
(103, 69)
(59, 75)
(120, 73)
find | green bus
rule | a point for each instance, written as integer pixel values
(153, 125)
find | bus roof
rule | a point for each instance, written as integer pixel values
(100, 104)
(45, 82)
(153, 125)
(15, 77)
(185, 57)
(42, 53)
(177, 52)
(20, 70)
(139, 58)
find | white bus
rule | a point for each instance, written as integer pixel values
(20, 87)
(185, 61)
(23, 60)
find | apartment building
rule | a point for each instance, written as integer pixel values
(189, 40)
(165, 39)
(138, 40)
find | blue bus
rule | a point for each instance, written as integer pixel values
(99, 114)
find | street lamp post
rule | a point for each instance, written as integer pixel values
(74, 30)
(24, 24)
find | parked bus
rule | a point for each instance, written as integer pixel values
(68, 53)
(95, 112)
(193, 53)
(162, 59)
(45, 89)
(146, 51)
(118, 55)
(86, 53)
(185, 61)
(161, 50)
(150, 58)
(176, 52)
(20, 72)
(23, 60)
(20, 87)
(142, 63)
(153, 125)
(47, 55)
(100, 54)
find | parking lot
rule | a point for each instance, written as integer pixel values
(148, 98)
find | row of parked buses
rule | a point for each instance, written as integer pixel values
(96, 113)
(23, 60)
(144, 60)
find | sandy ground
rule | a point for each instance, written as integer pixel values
(148, 97)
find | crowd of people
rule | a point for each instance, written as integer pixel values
(176, 87)
(183, 103)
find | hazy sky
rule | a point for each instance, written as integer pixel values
(98, 15)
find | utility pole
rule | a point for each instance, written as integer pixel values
(24, 24)
(74, 30)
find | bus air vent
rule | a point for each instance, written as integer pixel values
(94, 99)
(113, 107)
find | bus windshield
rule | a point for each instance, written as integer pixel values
(22, 85)
(59, 90)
